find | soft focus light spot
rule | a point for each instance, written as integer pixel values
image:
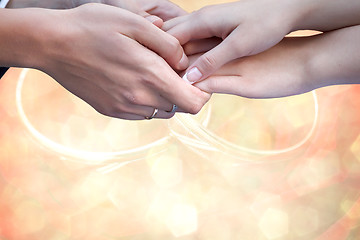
(94, 188)
(263, 201)
(324, 168)
(182, 220)
(131, 194)
(274, 223)
(305, 220)
(121, 134)
(162, 204)
(166, 168)
(351, 209)
(355, 148)
(30, 216)
(214, 228)
(75, 131)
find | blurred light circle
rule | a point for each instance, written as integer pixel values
(70, 127)
(251, 129)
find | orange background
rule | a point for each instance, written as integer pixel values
(284, 168)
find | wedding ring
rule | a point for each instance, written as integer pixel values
(173, 110)
(153, 115)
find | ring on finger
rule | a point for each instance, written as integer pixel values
(153, 114)
(173, 110)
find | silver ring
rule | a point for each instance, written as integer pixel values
(173, 110)
(153, 115)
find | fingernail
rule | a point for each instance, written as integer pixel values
(184, 62)
(185, 78)
(193, 75)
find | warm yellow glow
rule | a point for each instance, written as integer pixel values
(274, 223)
(30, 215)
(355, 148)
(166, 167)
(275, 169)
(182, 220)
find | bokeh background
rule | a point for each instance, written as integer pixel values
(244, 169)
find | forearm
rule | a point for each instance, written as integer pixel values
(335, 58)
(24, 36)
(51, 4)
(324, 15)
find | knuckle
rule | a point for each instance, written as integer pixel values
(138, 26)
(195, 108)
(174, 45)
(209, 61)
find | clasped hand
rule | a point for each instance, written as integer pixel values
(126, 63)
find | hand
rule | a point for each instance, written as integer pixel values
(278, 72)
(294, 66)
(247, 27)
(114, 60)
(156, 11)
(164, 9)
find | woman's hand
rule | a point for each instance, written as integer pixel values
(294, 66)
(116, 61)
(277, 72)
(247, 27)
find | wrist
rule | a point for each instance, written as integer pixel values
(53, 4)
(25, 36)
(294, 13)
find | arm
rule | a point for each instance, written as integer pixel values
(249, 27)
(294, 66)
(153, 10)
(114, 60)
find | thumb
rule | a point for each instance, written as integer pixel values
(210, 62)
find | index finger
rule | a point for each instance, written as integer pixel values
(165, 45)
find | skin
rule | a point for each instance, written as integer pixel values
(296, 65)
(248, 27)
(94, 52)
(156, 11)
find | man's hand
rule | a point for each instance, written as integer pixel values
(155, 11)
(117, 62)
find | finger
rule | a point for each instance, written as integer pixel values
(211, 61)
(164, 9)
(148, 112)
(222, 84)
(163, 44)
(153, 99)
(183, 95)
(201, 45)
(169, 24)
(127, 116)
(153, 19)
(186, 28)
